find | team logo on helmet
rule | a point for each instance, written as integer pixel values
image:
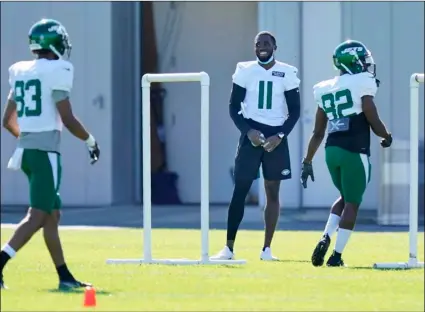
(59, 29)
(352, 50)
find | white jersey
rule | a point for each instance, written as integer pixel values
(265, 101)
(32, 83)
(342, 96)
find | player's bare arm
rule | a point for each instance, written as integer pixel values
(316, 138)
(293, 102)
(314, 143)
(9, 116)
(70, 121)
(74, 125)
(375, 122)
(237, 96)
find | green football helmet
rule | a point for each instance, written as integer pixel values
(353, 57)
(49, 34)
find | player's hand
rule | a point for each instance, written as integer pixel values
(94, 153)
(256, 137)
(271, 143)
(387, 141)
(306, 171)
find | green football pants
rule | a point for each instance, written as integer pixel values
(350, 173)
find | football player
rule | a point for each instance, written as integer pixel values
(265, 106)
(37, 107)
(345, 106)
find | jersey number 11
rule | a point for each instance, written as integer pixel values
(268, 92)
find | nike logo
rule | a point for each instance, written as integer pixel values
(68, 69)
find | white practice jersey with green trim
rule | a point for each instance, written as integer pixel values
(341, 100)
(265, 99)
(32, 83)
(342, 96)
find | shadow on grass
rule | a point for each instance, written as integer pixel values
(226, 266)
(218, 266)
(99, 292)
(292, 261)
(241, 266)
(371, 268)
(364, 268)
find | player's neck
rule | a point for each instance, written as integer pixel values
(46, 57)
(268, 65)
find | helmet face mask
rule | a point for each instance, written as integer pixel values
(50, 35)
(370, 65)
(352, 57)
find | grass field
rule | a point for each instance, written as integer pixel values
(290, 285)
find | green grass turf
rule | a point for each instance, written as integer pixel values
(292, 284)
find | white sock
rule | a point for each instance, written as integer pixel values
(9, 250)
(332, 224)
(342, 239)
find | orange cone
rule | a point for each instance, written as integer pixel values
(90, 297)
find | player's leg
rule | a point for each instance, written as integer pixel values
(247, 164)
(276, 167)
(51, 225)
(334, 217)
(51, 229)
(54, 245)
(355, 175)
(333, 162)
(34, 164)
(29, 225)
(271, 217)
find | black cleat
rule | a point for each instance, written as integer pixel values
(335, 260)
(73, 284)
(319, 253)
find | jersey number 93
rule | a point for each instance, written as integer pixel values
(28, 97)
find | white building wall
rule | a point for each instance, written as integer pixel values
(88, 24)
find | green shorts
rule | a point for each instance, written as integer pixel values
(350, 173)
(44, 171)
